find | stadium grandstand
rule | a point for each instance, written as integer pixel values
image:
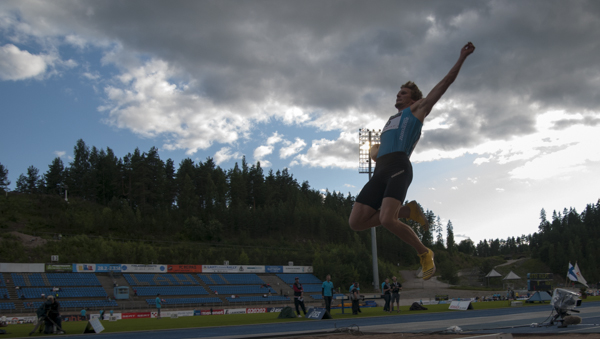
(96, 287)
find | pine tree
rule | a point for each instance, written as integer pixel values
(55, 177)
(4, 182)
(450, 244)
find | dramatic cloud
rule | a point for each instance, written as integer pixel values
(16, 64)
(291, 148)
(225, 154)
(239, 64)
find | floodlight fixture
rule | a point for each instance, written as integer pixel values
(366, 139)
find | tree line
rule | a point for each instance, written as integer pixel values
(196, 212)
(200, 208)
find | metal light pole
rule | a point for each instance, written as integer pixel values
(366, 139)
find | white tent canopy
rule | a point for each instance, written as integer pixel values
(493, 274)
(511, 276)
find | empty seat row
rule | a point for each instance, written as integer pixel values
(310, 287)
(256, 299)
(143, 291)
(305, 278)
(242, 278)
(161, 279)
(241, 289)
(2, 282)
(65, 292)
(76, 303)
(7, 306)
(4, 293)
(152, 302)
(55, 279)
(212, 279)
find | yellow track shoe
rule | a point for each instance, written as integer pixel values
(416, 214)
(427, 264)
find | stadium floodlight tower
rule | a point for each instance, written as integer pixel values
(366, 139)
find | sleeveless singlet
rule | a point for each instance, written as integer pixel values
(400, 134)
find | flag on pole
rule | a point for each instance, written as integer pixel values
(579, 276)
(571, 273)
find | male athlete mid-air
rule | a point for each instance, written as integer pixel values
(380, 201)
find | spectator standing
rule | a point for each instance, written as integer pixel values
(83, 313)
(396, 287)
(386, 289)
(327, 292)
(158, 305)
(299, 297)
(52, 311)
(354, 296)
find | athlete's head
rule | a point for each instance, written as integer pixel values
(409, 93)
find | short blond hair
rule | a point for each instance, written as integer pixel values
(415, 92)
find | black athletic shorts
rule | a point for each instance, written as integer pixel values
(393, 174)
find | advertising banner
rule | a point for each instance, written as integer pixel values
(297, 269)
(59, 268)
(256, 310)
(105, 268)
(85, 268)
(460, 305)
(220, 268)
(318, 314)
(273, 269)
(134, 268)
(235, 311)
(172, 314)
(212, 312)
(20, 320)
(274, 309)
(21, 268)
(107, 316)
(135, 315)
(252, 269)
(197, 312)
(184, 268)
(74, 317)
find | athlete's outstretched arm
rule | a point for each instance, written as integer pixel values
(425, 105)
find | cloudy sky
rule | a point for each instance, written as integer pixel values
(289, 83)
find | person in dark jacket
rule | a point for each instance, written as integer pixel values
(52, 312)
(299, 297)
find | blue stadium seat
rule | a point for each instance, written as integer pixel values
(175, 301)
(143, 291)
(160, 279)
(241, 289)
(256, 299)
(242, 278)
(310, 287)
(7, 306)
(305, 278)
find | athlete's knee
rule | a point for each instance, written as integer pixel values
(388, 220)
(354, 223)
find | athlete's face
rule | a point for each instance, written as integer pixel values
(403, 98)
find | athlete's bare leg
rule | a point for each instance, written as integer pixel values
(364, 217)
(389, 219)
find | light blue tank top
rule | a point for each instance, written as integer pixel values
(400, 134)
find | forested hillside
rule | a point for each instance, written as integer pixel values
(141, 209)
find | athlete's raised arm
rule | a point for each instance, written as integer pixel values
(423, 107)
